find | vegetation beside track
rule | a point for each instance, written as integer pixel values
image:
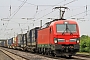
(83, 53)
(85, 44)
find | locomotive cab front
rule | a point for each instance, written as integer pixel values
(65, 37)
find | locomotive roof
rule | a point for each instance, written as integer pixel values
(61, 21)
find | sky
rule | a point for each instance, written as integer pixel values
(19, 16)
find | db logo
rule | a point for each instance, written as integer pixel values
(67, 40)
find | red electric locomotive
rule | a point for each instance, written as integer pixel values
(59, 37)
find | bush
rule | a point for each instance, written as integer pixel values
(85, 43)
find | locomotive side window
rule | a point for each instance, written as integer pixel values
(50, 30)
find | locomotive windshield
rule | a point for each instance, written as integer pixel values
(63, 27)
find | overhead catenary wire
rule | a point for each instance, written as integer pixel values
(76, 7)
(85, 15)
(12, 15)
(18, 9)
(44, 15)
(51, 5)
(53, 11)
(86, 10)
(79, 13)
(37, 11)
(28, 3)
(70, 2)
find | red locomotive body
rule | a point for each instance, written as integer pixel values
(59, 37)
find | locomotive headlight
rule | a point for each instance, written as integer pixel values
(55, 40)
(78, 40)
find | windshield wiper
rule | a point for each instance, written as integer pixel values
(67, 30)
(70, 32)
(63, 32)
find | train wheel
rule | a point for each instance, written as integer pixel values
(47, 52)
(43, 51)
(39, 50)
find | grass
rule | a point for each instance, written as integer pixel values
(85, 53)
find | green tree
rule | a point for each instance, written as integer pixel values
(85, 43)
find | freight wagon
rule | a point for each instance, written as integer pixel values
(19, 41)
(6, 42)
(10, 42)
(32, 39)
(2, 43)
(24, 41)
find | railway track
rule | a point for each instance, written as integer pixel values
(12, 55)
(67, 58)
(83, 55)
(20, 55)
